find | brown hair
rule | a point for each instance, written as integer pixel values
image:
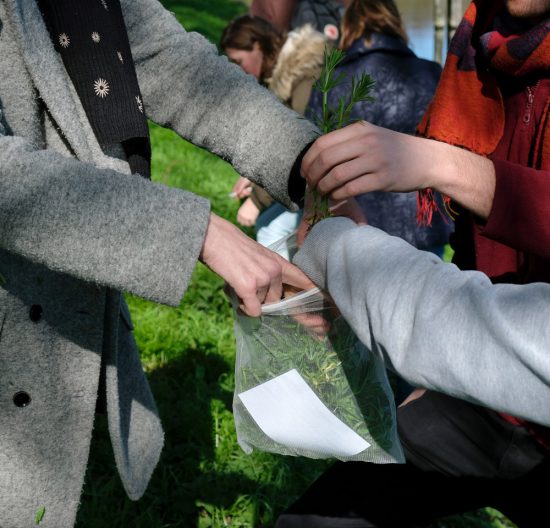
(362, 18)
(242, 32)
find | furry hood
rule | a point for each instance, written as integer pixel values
(301, 57)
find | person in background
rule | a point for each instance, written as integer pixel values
(375, 42)
(287, 65)
(323, 15)
(486, 147)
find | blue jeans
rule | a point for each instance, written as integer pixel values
(275, 223)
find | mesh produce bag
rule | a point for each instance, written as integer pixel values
(305, 385)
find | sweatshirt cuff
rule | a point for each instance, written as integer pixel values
(296, 183)
(506, 222)
(313, 255)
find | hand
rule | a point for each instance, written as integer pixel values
(363, 157)
(414, 395)
(253, 271)
(349, 208)
(242, 188)
(248, 213)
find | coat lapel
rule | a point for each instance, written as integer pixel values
(56, 89)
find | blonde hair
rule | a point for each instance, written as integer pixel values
(365, 17)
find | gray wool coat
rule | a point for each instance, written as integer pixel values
(76, 229)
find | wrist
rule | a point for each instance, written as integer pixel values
(209, 238)
(467, 178)
(443, 172)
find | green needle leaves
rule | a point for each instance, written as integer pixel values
(335, 117)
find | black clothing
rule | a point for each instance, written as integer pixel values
(92, 41)
(319, 14)
(498, 465)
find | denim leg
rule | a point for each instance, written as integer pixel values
(275, 223)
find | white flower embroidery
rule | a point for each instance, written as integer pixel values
(101, 88)
(139, 103)
(119, 55)
(95, 37)
(64, 40)
(104, 3)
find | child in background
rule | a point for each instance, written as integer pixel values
(288, 66)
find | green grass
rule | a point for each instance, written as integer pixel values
(203, 478)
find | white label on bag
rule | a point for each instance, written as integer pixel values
(290, 413)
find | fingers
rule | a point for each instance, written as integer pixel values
(316, 323)
(244, 193)
(242, 188)
(248, 213)
(250, 305)
(334, 148)
(294, 276)
(355, 176)
(255, 273)
(244, 220)
(303, 230)
(266, 287)
(250, 269)
(338, 164)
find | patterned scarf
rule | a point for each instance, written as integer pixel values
(91, 38)
(467, 109)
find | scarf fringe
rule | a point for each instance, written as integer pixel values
(426, 206)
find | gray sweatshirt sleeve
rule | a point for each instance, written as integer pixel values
(188, 87)
(99, 225)
(440, 328)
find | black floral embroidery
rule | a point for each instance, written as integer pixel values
(64, 40)
(101, 88)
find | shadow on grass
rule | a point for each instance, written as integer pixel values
(193, 484)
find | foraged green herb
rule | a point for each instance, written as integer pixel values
(336, 367)
(333, 118)
(39, 515)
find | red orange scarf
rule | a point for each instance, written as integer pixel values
(467, 109)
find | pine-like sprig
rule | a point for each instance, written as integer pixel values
(335, 117)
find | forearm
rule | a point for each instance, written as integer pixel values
(467, 178)
(438, 327)
(101, 226)
(188, 87)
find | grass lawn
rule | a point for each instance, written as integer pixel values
(203, 478)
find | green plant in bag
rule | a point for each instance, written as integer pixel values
(334, 366)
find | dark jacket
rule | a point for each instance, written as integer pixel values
(404, 86)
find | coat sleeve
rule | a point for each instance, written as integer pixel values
(98, 225)
(520, 216)
(190, 88)
(440, 328)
